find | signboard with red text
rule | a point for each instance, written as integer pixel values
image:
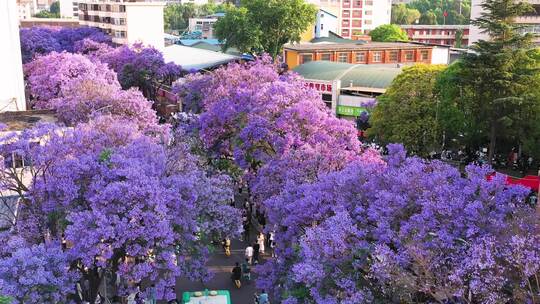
(323, 87)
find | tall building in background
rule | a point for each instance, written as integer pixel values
(531, 21)
(11, 74)
(26, 8)
(126, 21)
(356, 18)
(69, 9)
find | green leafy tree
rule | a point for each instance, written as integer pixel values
(401, 14)
(432, 11)
(265, 25)
(176, 16)
(55, 8)
(46, 14)
(388, 33)
(408, 112)
(500, 80)
(429, 17)
(236, 30)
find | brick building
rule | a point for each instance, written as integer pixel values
(438, 34)
(365, 53)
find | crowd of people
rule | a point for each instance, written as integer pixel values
(254, 222)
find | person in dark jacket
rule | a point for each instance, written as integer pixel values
(237, 275)
(256, 248)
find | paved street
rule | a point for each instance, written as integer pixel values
(222, 265)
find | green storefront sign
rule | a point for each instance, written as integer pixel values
(350, 111)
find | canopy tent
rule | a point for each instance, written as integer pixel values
(530, 181)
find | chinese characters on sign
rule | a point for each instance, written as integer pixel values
(320, 87)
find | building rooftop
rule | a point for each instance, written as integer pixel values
(353, 76)
(310, 47)
(20, 120)
(334, 38)
(435, 26)
(190, 58)
(190, 42)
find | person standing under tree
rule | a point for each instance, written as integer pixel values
(256, 250)
(260, 240)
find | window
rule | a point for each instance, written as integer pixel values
(122, 21)
(377, 56)
(368, 22)
(343, 57)
(409, 55)
(369, 13)
(345, 33)
(122, 8)
(345, 23)
(357, 23)
(357, 14)
(393, 56)
(326, 57)
(322, 27)
(346, 13)
(424, 55)
(306, 58)
(360, 57)
(120, 34)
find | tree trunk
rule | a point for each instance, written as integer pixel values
(492, 141)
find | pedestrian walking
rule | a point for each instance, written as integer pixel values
(256, 251)
(246, 270)
(249, 254)
(152, 294)
(139, 299)
(226, 246)
(262, 298)
(246, 231)
(260, 240)
(237, 275)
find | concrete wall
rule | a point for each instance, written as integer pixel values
(382, 10)
(325, 22)
(67, 8)
(145, 23)
(440, 55)
(11, 74)
(475, 33)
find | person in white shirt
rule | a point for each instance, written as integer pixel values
(260, 240)
(249, 254)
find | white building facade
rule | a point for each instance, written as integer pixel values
(12, 96)
(69, 9)
(326, 22)
(127, 22)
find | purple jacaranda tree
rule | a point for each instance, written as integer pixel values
(408, 231)
(270, 124)
(82, 100)
(38, 41)
(140, 66)
(37, 274)
(43, 40)
(70, 37)
(124, 204)
(48, 75)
